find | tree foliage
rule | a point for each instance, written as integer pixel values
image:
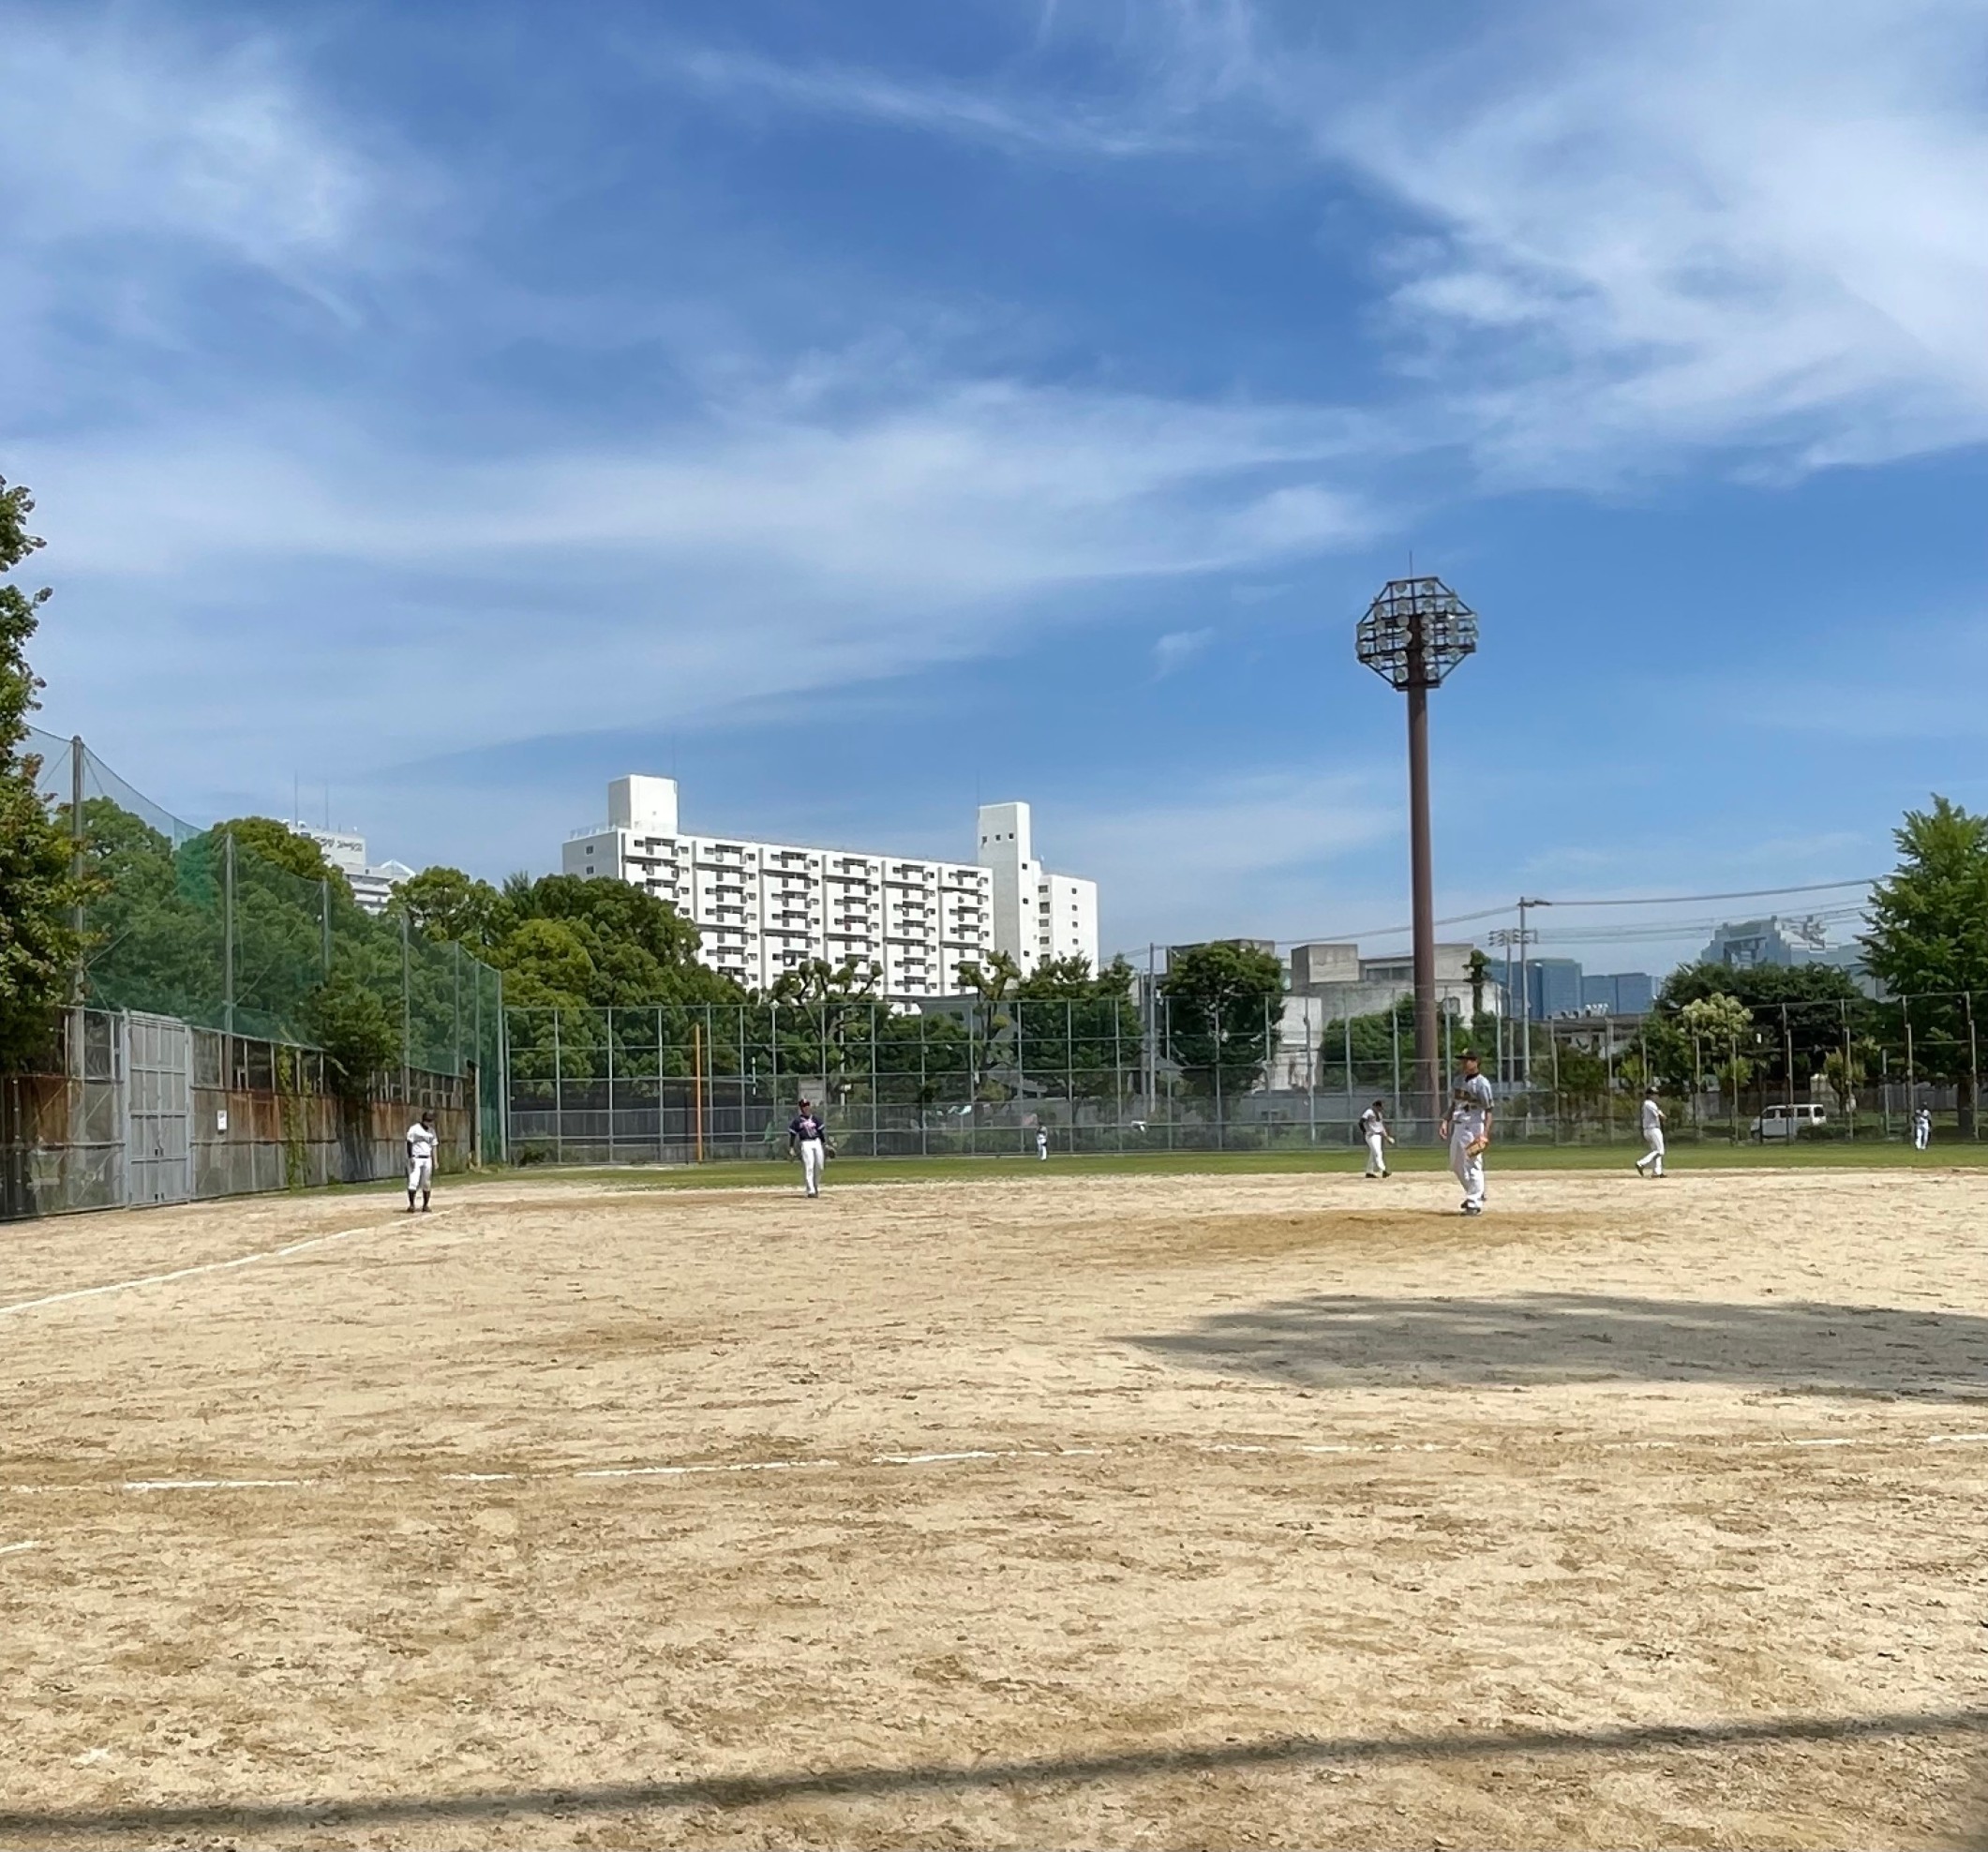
(1224, 1002)
(1928, 940)
(1076, 1031)
(38, 946)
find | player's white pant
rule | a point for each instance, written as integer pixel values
(1376, 1154)
(1652, 1158)
(1469, 1169)
(812, 1154)
(420, 1171)
(1918, 1135)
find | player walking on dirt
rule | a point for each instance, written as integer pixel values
(1373, 1128)
(808, 1139)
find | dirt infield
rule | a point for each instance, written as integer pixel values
(1176, 1512)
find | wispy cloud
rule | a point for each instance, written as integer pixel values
(1015, 122)
(148, 150)
(567, 588)
(1668, 229)
(1178, 648)
(1181, 864)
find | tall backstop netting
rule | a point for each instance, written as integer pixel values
(195, 924)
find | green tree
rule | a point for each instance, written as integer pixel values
(276, 845)
(39, 948)
(357, 1029)
(1077, 1030)
(1798, 1009)
(1223, 1004)
(1928, 940)
(449, 905)
(1479, 968)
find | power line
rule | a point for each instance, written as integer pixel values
(1737, 894)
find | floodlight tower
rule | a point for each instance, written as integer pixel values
(1413, 636)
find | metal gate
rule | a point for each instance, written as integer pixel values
(158, 1070)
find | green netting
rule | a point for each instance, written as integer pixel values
(194, 923)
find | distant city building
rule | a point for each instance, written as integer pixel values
(1779, 940)
(1618, 993)
(763, 909)
(1559, 987)
(1347, 985)
(1774, 940)
(372, 883)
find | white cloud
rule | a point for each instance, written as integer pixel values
(1178, 648)
(1023, 123)
(584, 589)
(1642, 231)
(149, 137)
(1667, 228)
(1252, 853)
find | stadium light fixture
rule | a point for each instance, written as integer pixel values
(1413, 636)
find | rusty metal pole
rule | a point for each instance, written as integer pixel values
(1429, 1082)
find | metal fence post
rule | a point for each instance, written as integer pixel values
(324, 923)
(407, 1017)
(1974, 1072)
(610, 1083)
(228, 942)
(1394, 1030)
(559, 1091)
(76, 922)
(504, 1062)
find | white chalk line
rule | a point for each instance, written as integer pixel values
(15, 1549)
(696, 1469)
(282, 1253)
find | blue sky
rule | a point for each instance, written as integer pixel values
(861, 410)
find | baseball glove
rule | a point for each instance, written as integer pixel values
(1477, 1147)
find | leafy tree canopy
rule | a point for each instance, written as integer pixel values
(1929, 921)
(38, 949)
(277, 845)
(1224, 1002)
(1760, 988)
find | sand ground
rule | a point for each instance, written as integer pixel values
(1023, 1511)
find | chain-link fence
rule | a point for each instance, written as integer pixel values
(675, 1083)
(198, 925)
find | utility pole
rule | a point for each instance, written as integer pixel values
(1526, 936)
(1413, 636)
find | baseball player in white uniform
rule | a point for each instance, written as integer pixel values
(808, 1138)
(1467, 1127)
(1650, 1164)
(421, 1140)
(1373, 1128)
(1042, 1143)
(1922, 1128)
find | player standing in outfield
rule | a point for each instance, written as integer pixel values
(808, 1138)
(1922, 1128)
(1650, 1164)
(1467, 1127)
(1373, 1128)
(422, 1140)
(1042, 1143)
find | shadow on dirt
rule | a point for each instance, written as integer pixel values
(1344, 1341)
(149, 1823)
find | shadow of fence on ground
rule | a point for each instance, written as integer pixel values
(737, 1791)
(1347, 1342)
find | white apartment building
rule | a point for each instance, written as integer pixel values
(371, 884)
(762, 908)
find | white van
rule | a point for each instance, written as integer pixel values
(1788, 1121)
